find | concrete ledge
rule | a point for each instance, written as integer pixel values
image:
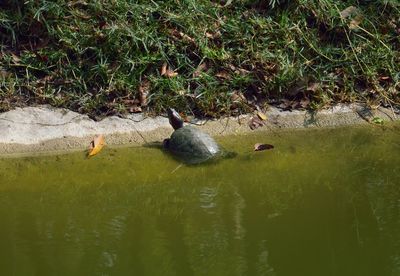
(45, 129)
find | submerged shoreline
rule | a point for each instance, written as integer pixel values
(45, 130)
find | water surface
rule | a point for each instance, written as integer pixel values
(322, 202)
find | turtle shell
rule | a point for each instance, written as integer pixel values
(192, 145)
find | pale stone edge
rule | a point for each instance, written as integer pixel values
(44, 129)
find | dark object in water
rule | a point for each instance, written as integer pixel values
(190, 144)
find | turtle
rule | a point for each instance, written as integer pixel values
(190, 144)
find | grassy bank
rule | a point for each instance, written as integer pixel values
(203, 57)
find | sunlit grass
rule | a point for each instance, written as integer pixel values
(92, 56)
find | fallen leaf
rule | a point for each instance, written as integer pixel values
(164, 69)
(186, 37)
(96, 145)
(201, 68)
(237, 97)
(16, 59)
(354, 23)
(223, 75)
(135, 109)
(349, 11)
(255, 122)
(171, 74)
(209, 35)
(305, 102)
(262, 116)
(213, 35)
(180, 35)
(355, 14)
(144, 89)
(260, 147)
(286, 104)
(313, 87)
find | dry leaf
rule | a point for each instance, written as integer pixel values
(164, 69)
(171, 74)
(237, 97)
(201, 68)
(186, 37)
(349, 11)
(135, 109)
(96, 145)
(314, 86)
(144, 89)
(352, 12)
(262, 116)
(180, 35)
(223, 75)
(209, 35)
(354, 23)
(305, 102)
(260, 147)
(213, 35)
(255, 122)
(16, 59)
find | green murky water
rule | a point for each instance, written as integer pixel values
(323, 202)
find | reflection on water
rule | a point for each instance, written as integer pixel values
(322, 202)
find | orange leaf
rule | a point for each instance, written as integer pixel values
(96, 145)
(171, 74)
(164, 69)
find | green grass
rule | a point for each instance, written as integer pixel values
(92, 56)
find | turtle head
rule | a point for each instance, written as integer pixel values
(166, 143)
(175, 119)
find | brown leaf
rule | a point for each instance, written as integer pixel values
(355, 14)
(171, 74)
(255, 122)
(135, 109)
(242, 72)
(349, 11)
(201, 68)
(260, 147)
(305, 102)
(144, 89)
(16, 59)
(286, 104)
(209, 35)
(96, 145)
(180, 35)
(213, 35)
(223, 75)
(314, 86)
(4, 74)
(354, 23)
(237, 97)
(186, 37)
(163, 70)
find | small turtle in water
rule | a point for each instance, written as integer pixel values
(190, 144)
